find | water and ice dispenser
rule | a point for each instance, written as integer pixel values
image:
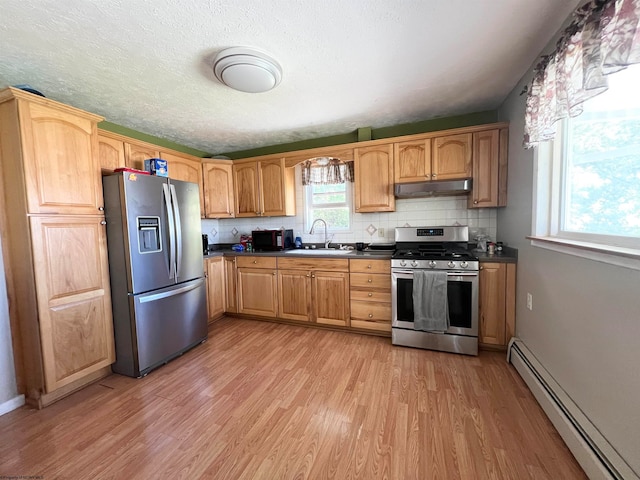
(149, 234)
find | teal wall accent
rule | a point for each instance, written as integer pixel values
(161, 142)
(433, 125)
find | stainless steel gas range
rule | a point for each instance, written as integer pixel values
(442, 249)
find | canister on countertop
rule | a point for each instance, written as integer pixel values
(491, 248)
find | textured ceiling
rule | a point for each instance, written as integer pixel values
(146, 64)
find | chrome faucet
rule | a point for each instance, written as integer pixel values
(327, 240)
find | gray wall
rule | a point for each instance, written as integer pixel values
(8, 390)
(585, 323)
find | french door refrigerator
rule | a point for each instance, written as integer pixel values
(156, 267)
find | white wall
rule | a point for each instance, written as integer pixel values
(585, 323)
(9, 398)
(413, 212)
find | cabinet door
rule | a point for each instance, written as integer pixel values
(412, 161)
(374, 179)
(492, 301)
(231, 292)
(245, 188)
(218, 190)
(294, 294)
(330, 294)
(187, 169)
(485, 169)
(215, 286)
(136, 154)
(74, 302)
(257, 292)
(451, 157)
(111, 153)
(272, 188)
(60, 152)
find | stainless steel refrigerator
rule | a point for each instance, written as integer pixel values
(158, 289)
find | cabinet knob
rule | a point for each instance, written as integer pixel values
(308, 275)
(370, 294)
(101, 209)
(371, 315)
(369, 280)
(475, 202)
(103, 222)
(274, 273)
(255, 261)
(313, 276)
(481, 268)
(368, 266)
(433, 176)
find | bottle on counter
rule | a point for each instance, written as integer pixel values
(491, 248)
(298, 242)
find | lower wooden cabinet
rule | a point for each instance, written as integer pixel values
(370, 282)
(73, 297)
(257, 286)
(314, 290)
(214, 268)
(497, 303)
(231, 285)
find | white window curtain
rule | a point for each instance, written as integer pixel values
(603, 38)
(326, 171)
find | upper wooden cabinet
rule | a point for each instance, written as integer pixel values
(412, 161)
(136, 153)
(111, 153)
(57, 154)
(263, 188)
(452, 156)
(489, 169)
(218, 189)
(374, 179)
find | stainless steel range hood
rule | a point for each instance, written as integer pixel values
(433, 188)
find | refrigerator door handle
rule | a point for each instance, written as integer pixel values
(176, 213)
(172, 231)
(159, 296)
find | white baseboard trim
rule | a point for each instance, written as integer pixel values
(594, 453)
(11, 404)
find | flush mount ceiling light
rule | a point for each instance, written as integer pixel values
(247, 69)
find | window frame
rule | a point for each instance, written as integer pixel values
(548, 177)
(309, 207)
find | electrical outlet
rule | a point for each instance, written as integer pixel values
(381, 232)
(529, 301)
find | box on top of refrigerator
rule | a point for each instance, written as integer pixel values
(157, 166)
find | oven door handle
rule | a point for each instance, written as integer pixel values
(449, 274)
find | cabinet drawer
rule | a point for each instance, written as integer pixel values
(326, 264)
(370, 266)
(369, 280)
(256, 262)
(372, 311)
(371, 296)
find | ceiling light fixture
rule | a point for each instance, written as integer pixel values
(247, 69)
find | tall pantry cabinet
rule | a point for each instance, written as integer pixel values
(54, 246)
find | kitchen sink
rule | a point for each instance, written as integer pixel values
(319, 251)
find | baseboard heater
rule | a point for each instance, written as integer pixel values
(593, 452)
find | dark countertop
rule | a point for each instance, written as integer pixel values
(508, 255)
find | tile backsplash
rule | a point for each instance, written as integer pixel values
(366, 227)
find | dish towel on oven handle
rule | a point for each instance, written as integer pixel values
(430, 305)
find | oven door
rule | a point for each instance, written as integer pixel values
(462, 294)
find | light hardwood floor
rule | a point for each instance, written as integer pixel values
(272, 401)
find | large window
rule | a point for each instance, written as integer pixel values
(589, 177)
(332, 203)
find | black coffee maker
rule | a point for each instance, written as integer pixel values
(205, 244)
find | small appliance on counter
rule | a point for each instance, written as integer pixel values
(272, 240)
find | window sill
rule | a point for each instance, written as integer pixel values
(620, 256)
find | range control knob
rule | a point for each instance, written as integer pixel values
(432, 264)
(451, 264)
(414, 264)
(403, 263)
(464, 264)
